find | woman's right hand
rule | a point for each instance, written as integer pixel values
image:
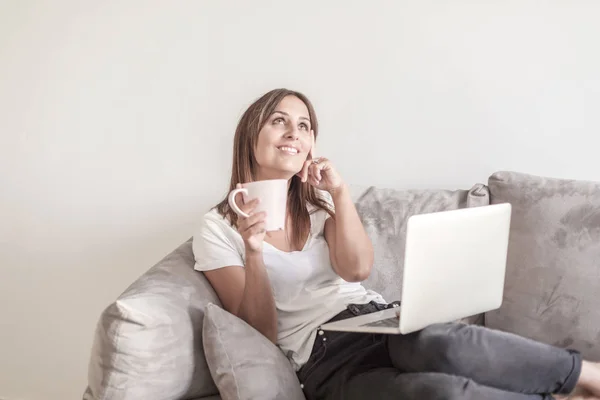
(252, 229)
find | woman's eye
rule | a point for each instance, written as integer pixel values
(304, 126)
(278, 120)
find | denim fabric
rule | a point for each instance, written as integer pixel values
(442, 361)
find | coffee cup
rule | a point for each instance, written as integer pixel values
(272, 195)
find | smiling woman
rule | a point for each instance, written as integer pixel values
(280, 119)
(310, 274)
(285, 140)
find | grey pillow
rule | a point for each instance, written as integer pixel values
(147, 343)
(244, 364)
(385, 213)
(553, 270)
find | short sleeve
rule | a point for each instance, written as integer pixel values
(215, 245)
(318, 217)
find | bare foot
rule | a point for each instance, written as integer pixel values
(577, 394)
(589, 380)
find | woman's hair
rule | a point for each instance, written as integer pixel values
(244, 165)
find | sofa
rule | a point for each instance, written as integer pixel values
(166, 337)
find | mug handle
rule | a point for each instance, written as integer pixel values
(233, 204)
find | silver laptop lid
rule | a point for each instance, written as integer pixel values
(454, 265)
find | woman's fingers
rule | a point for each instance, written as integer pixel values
(252, 228)
(308, 165)
(315, 172)
(247, 208)
(256, 229)
(312, 154)
(254, 219)
(303, 174)
(310, 169)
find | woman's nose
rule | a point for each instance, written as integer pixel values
(292, 133)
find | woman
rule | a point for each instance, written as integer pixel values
(288, 283)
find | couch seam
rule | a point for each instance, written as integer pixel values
(221, 343)
(114, 360)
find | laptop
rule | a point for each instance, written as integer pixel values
(454, 267)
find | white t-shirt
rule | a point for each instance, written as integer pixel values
(307, 291)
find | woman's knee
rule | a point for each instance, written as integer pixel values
(443, 343)
(435, 348)
(438, 337)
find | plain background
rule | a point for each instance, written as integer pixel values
(117, 119)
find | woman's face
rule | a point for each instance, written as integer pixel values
(285, 140)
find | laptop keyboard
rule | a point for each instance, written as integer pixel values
(385, 323)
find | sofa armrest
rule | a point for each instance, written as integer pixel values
(551, 287)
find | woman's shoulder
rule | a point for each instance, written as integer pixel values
(214, 221)
(326, 197)
(215, 230)
(215, 216)
(216, 243)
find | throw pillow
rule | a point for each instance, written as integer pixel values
(147, 343)
(244, 364)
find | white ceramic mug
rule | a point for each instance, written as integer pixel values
(273, 200)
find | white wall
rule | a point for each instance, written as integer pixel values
(117, 118)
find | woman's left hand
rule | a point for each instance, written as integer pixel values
(320, 172)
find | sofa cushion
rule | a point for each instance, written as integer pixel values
(553, 269)
(87, 395)
(244, 363)
(147, 343)
(385, 213)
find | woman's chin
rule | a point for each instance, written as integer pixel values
(288, 172)
(280, 174)
(280, 171)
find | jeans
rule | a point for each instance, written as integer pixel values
(442, 361)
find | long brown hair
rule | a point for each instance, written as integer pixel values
(244, 165)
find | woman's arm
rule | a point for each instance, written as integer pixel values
(350, 248)
(258, 303)
(246, 291)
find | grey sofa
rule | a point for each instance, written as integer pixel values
(148, 343)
